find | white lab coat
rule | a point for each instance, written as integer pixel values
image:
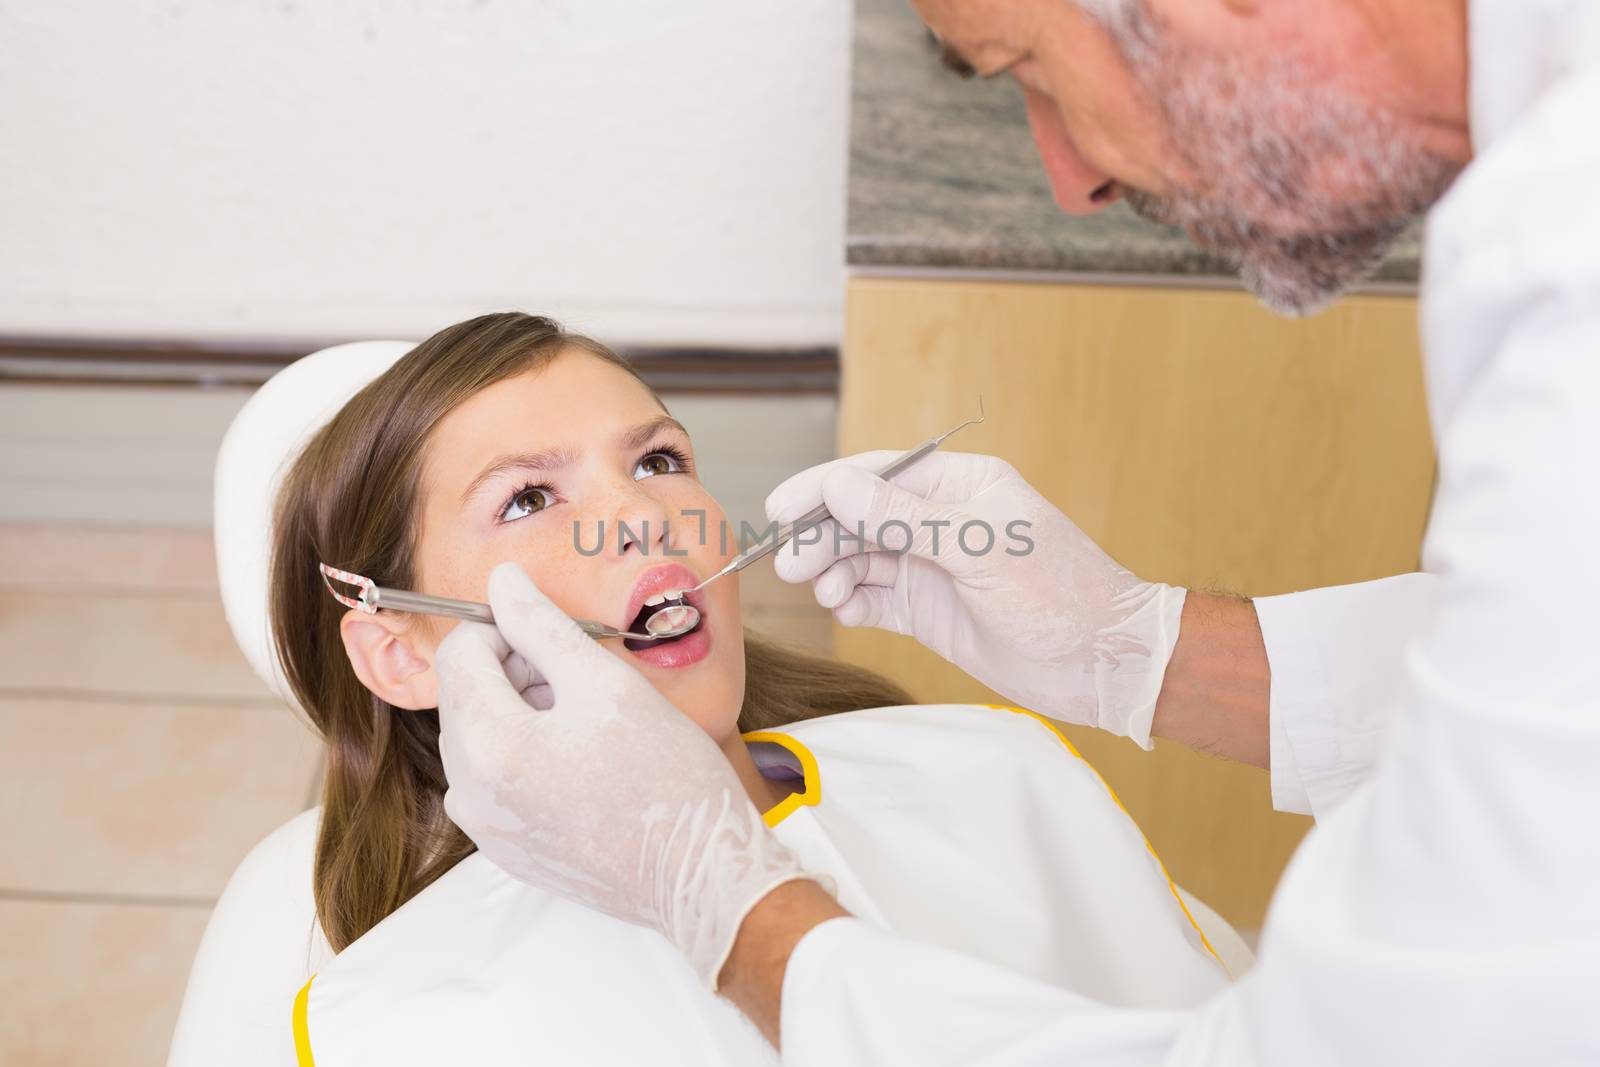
(1445, 728)
(979, 829)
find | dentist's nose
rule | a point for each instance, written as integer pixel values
(1079, 188)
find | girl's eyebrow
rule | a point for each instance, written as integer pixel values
(541, 460)
(640, 435)
(545, 459)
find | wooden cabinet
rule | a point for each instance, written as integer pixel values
(1202, 441)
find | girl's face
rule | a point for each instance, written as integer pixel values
(576, 472)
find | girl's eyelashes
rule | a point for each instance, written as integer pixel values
(527, 500)
(532, 498)
(662, 459)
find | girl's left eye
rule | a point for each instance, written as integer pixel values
(661, 461)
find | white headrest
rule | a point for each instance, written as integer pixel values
(261, 444)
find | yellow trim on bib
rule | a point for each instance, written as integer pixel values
(1055, 729)
(302, 1036)
(812, 794)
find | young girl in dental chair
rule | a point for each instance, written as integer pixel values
(369, 930)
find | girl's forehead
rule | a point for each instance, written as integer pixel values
(574, 397)
(571, 405)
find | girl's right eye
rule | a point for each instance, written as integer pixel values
(525, 502)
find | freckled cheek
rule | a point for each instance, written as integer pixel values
(726, 675)
(572, 586)
(544, 551)
(723, 602)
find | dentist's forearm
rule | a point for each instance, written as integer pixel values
(753, 976)
(1214, 695)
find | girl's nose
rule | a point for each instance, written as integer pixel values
(639, 523)
(1079, 188)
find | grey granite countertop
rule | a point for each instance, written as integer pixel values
(943, 174)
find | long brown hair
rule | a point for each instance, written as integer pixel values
(351, 500)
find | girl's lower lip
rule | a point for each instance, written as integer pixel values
(684, 652)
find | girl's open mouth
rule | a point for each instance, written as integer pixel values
(657, 590)
(656, 605)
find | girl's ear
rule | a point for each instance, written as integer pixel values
(379, 647)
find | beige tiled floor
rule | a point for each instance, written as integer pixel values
(87, 982)
(139, 760)
(149, 798)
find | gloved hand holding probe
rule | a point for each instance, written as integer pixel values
(534, 714)
(962, 554)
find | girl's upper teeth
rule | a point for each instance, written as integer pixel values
(662, 598)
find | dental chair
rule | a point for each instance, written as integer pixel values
(264, 438)
(257, 451)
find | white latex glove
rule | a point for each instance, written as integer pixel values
(1060, 629)
(609, 796)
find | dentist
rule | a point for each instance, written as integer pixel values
(1443, 727)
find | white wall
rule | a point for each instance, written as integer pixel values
(650, 172)
(122, 455)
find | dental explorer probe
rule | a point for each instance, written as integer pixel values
(374, 596)
(820, 514)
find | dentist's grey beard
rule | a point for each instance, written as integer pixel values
(1304, 188)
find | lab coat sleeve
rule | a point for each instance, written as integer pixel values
(1336, 660)
(259, 948)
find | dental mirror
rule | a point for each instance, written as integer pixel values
(672, 620)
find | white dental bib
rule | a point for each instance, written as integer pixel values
(975, 828)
